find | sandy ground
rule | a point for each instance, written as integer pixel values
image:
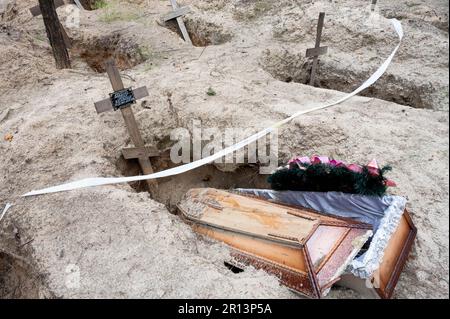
(119, 242)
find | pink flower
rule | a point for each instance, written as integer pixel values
(298, 161)
(355, 168)
(373, 164)
(320, 160)
(373, 168)
(390, 183)
(336, 163)
(304, 160)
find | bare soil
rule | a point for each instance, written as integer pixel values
(117, 242)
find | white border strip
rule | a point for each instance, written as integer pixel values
(89, 182)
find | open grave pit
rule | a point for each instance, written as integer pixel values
(171, 189)
(330, 74)
(95, 51)
(202, 33)
(15, 278)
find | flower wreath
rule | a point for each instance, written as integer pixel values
(322, 174)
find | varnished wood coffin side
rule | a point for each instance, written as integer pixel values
(395, 256)
(307, 251)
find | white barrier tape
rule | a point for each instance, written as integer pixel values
(89, 182)
(8, 206)
(79, 5)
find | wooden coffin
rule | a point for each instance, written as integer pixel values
(384, 280)
(307, 251)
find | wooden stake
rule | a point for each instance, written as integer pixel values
(177, 14)
(317, 50)
(36, 11)
(55, 33)
(374, 3)
(140, 151)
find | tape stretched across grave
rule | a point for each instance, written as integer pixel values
(309, 240)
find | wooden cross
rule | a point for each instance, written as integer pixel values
(36, 11)
(373, 5)
(177, 14)
(317, 50)
(56, 34)
(122, 99)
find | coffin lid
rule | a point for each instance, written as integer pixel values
(307, 250)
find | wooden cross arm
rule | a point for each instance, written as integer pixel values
(36, 10)
(174, 4)
(177, 13)
(140, 152)
(106, 105)
(312, 52)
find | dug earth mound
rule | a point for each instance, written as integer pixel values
(115, 241)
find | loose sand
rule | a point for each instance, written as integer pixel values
(120, 242)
